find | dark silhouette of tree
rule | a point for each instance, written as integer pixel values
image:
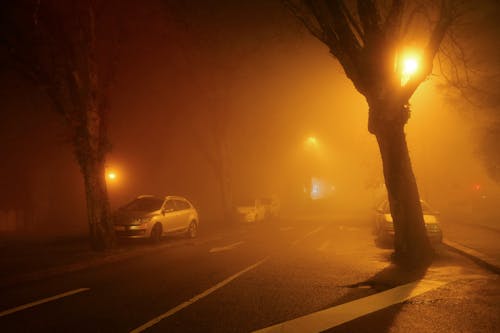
(368, 38)
(54, 44)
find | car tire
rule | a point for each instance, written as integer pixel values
(192, 230)
(156, 233)
(383, 240)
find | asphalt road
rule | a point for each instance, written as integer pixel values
(304, 275)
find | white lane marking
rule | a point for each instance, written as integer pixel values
(196, 298)
(286, 228)
(295, 242)
(225, 248)
(329, 318)
(324, 246)
(44, 300)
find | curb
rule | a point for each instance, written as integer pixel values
(478, 257)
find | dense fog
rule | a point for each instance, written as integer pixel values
(292, 125)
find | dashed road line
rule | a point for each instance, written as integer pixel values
(196, 298)
(225, 248)
(332, 317)
(324, 246)
(318, 229)
(42, 301)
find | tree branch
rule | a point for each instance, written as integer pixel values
(309, 22)
(445, 20)
(369, 16)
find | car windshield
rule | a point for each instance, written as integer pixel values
(245, 202)
(266, 201)
(426, 209)
(144, 204)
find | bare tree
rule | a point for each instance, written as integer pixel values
(54, 44)
(212, 54)
(368, 38)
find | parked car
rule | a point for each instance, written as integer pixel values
(152, 217)
(257, 210)
(272, 207)
(250, 210)
(383, 227)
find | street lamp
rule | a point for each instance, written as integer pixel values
(312, 141)
(409, 65)
(111, 176)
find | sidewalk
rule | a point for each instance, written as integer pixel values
(479, 242)
(25, 260)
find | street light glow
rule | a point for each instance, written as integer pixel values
(409, 65)
(111, 176)
(312, 140)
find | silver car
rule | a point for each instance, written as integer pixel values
(383, 227)
(152, 217)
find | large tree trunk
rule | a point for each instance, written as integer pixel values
(101, 230)
(411, 244)
(91, 148)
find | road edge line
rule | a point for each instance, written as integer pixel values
(41, 301)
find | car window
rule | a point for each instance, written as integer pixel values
(169, 206)
(181, 205)
(245, 202)
(265, 201)
(147, 204)
(426, 209)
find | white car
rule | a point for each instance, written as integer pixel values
(250, 211)
(383, 227)
(271, 205)
(258, 210)
(152, 217)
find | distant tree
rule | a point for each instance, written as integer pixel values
(369, 38)
(468, 64)
(213, 54)
(53, 43)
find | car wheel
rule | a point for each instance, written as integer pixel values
(156, 233)
(192, 231)
(383, 240)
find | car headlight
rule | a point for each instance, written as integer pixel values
(143, 221)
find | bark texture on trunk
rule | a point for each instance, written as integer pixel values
(98, 210)
(411, 243)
